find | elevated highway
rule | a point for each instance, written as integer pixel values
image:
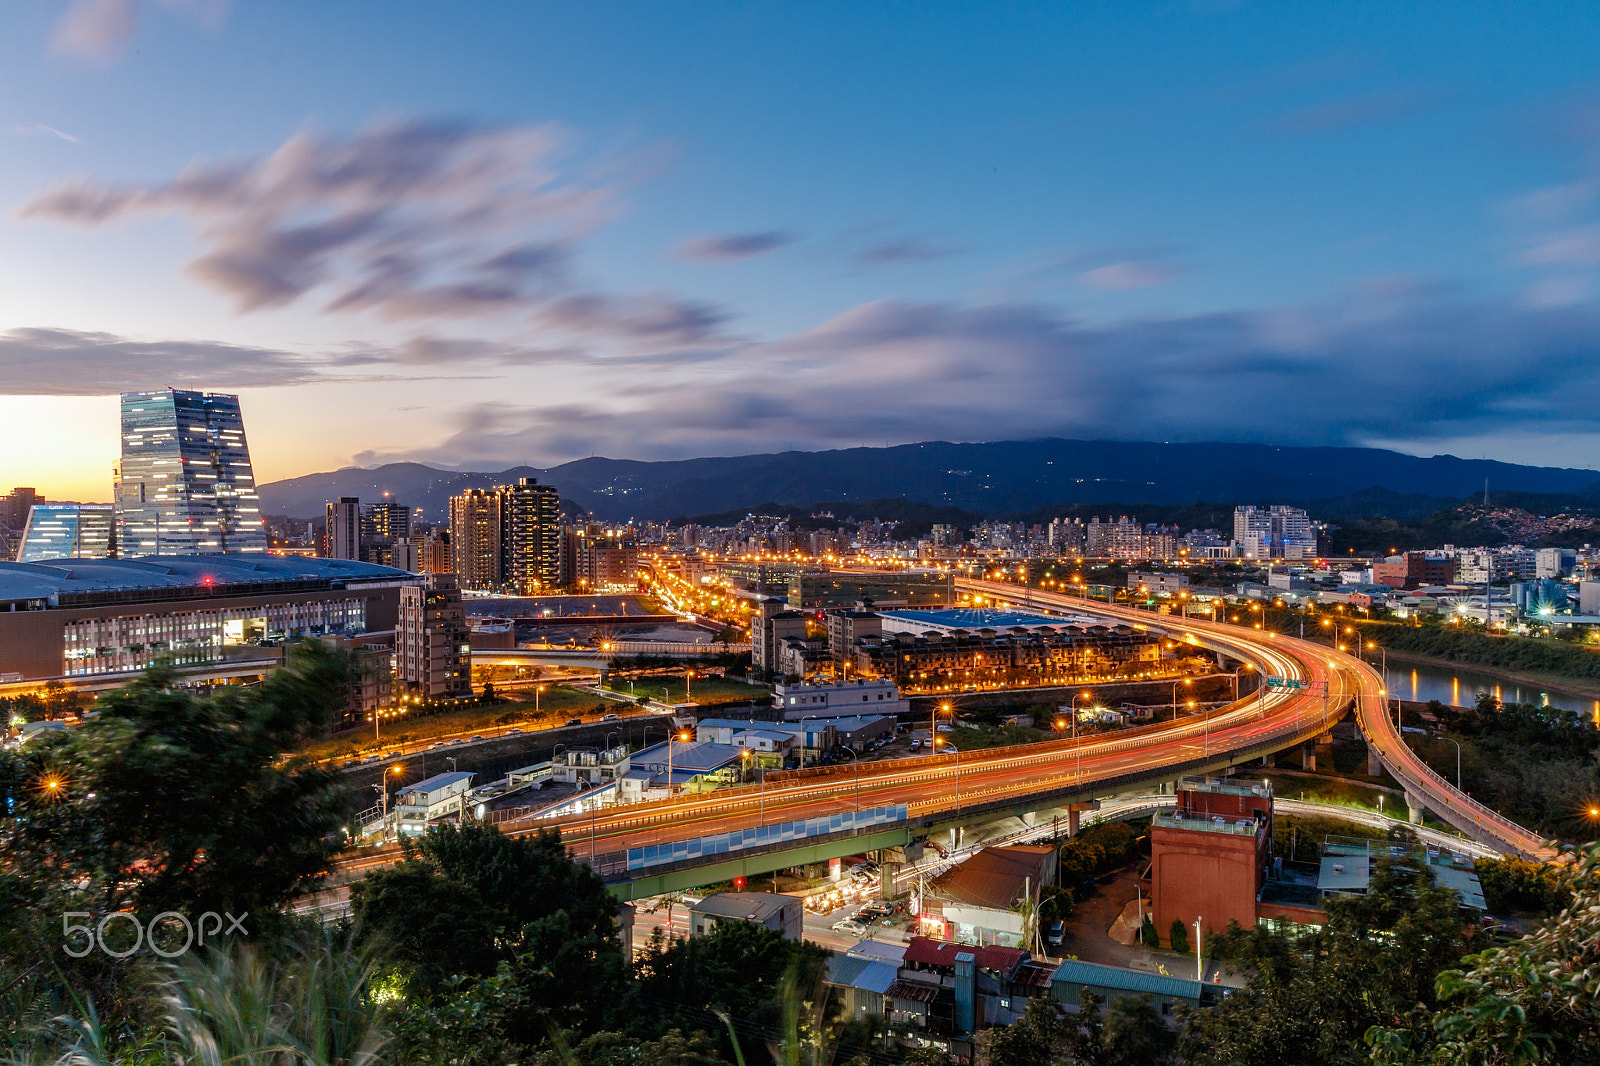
(943, 792)
(1360, 688)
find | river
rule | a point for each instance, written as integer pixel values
(1409, 681)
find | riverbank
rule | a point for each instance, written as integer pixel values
(1569, 686)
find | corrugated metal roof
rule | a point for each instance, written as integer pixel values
(922, 951)
(756, 906)
(1076, 973)
(995, 877)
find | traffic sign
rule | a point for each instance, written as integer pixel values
(1286, 682)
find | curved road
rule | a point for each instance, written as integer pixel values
(1355, 680)
(943, 789)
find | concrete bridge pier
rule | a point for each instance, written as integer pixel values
(1414, 808)
(1030, 818)
(1073, 813)
(1270, 759)
(1308, 756)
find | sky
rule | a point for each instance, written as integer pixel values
(495, 234)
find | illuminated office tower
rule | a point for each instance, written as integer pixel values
(67, 531)
(185, 485)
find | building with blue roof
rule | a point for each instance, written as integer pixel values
(1163, 991)
(75, 618)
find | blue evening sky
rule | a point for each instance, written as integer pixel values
(485, 234)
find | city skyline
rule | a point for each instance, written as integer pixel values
(537, 236)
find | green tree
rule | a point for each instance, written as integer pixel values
(1536, 1000)
(519, 902)
(1179, 935)
(1148, 934)
(1311, 998)
(169, 800)
(1039, 1038)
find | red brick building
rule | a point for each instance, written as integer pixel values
(1210, 856)
(1413, 570)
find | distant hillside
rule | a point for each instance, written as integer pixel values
(1009, 477)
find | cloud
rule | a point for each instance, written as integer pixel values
(1394, 362)
(648, 319)
(724, 249)
(903, 250)
(102, 30)
(1129, 274)
(1370, 110)
(39, 129)
(63, 362)
(405, 219)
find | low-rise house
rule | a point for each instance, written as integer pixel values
(979, 900)
(431, 799)
(770, 910)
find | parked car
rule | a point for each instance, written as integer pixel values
(352, 762)
(610, 717)
(454, 742)
(513, 732)
(395, 754)
(916, 743)
(574, 721)
(436, 744)
(1058, 931)
(851, 926)
(477, 736)
(372, 758)
(873, 910)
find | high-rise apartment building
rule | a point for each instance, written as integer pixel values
(1276, 532)
(68, 531)
(185, 485)
(432, 644)
(476, 518)
(341, 538)
(386, 520)
(531, 538)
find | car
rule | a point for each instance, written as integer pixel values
(352, 762)
(916, 743)
(872, 910)
(395, 754)
(574, 721)
(851, 926)
(454, 742)
(513, 732)
(372, 758)
(1058, 932)
(436, 744)
(610, 717)
(477, 736)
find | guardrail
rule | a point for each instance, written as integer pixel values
(1451, 805)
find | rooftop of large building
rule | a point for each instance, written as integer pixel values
(976, 619)
(54, 578)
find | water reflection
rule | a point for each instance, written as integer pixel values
(1461, 688)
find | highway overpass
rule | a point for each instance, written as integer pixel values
(940, 793)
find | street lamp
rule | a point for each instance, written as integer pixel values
(670, 738)
(1175, 684)
(1457, 743)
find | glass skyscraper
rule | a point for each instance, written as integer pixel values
(185, 485)
(66, 531)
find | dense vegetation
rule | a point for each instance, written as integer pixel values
(1534, 655)
(477, 949)
(1536, 765)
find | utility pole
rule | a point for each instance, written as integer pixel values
(1199, 958)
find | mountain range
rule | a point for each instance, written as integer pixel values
(997, 478)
